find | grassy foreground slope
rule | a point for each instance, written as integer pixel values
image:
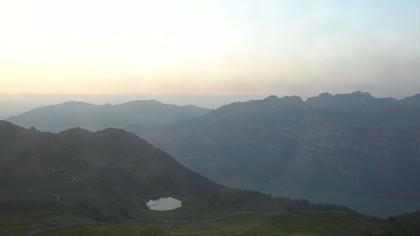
(17, 223)
(296, 224)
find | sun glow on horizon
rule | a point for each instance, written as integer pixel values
(207, 47)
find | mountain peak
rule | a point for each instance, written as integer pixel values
(143, 102)
(356, 99)
(6, 125)
(10, 126)
(359, 94)
(75, 131)
(117, 132)
(413, 101)
(325, 95)
(285, 99)
(271, 98)
(414, 97)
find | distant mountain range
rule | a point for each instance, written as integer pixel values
(134, 115)
(352, 149)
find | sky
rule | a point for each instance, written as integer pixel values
(203, 51)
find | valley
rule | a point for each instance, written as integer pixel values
(79, 177)
(347, 149)
(209, 118)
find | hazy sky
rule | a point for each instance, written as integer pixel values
(217, 48)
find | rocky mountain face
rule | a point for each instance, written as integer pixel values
(351, 149)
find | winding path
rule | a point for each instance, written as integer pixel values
(56, 195)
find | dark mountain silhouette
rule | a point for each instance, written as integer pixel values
(351, 149)
(112, 171)
(110, 175)
(131, 115)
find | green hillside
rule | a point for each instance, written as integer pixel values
(315, 224)
(78, 176)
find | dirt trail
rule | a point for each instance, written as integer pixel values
(56, 195)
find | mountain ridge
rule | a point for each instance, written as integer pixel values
(141, 114)
(334, 147)
(341, 143)
(109, 175)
